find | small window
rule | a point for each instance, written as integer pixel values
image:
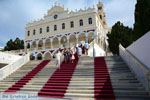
(104, 22)
(40, 30)
(90, 20)
(28, 33)
(34, 32)
(100, 17)
(55, 16)
(55, 27)
(63, 25)
(81, 22)
(47, 28)
(71, 24)
(99, 8)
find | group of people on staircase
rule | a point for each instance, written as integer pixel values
(68, 55)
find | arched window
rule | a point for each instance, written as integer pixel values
(71, 24)
(55, 27)
(28, 33)
(28, 45)
(63, 25)
(40, 30)
(34, 32)
(47, 29)
(81, 22)
(90, 20)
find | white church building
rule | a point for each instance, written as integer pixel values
(61, 28)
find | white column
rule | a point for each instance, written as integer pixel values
(51, 43)
(44, 44)
(36, 46)
(77, 39)
(59, 41)
(68, 41)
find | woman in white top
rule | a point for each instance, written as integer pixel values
(73, 54)
(79, 51)
(86, 45)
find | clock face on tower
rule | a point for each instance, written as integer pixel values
(55, 16)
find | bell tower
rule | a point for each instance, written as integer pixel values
(101, 14)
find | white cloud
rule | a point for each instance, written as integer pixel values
(120, 10)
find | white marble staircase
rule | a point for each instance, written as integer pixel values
(125, 84)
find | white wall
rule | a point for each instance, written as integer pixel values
(97, 51)
(141, 72)
(18, 62)
(8, 58)
(141, 49)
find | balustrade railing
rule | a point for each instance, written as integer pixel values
(141, 71)
(10, 68)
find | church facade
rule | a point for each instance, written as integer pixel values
(63, 28)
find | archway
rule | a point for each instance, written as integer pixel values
(48, 44)
(90, 37)
(32, 57)
(72, 40)
(33, 45)
(40, 45)
(55, 43)
(82, 37)
(39, 56)
(47, 56)
(63, 41)
(28, 45)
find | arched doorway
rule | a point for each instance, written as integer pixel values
(32, 57)
(90, 37)
(28, 45)
(47, 56)
(82, 37)
(72, 40)
(39, 56)
(33, 46)
(40, 45)
(64, 41)
(48, 44)
(55, 43)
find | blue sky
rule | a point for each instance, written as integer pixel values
(15, 14)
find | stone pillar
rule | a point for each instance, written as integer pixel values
(36, 46)
(51, 43)
(77, 39)
(68, 42)
(59, 42)
(43, 44)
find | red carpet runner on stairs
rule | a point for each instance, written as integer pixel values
(102, 83)
(57, 84)
(25, 79)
